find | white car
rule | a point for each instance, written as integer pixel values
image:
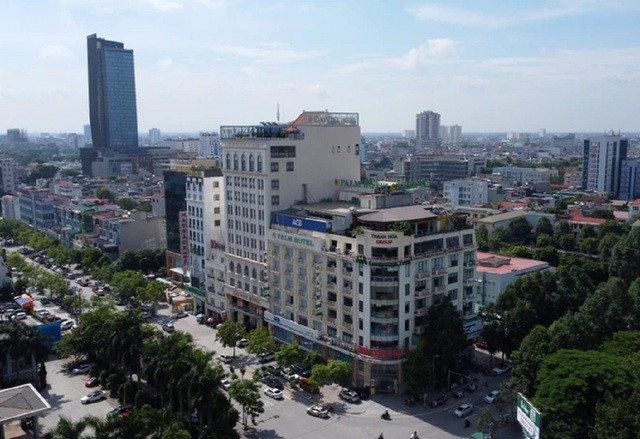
(97, 395)
(318, 411)
(65, 325)
(225, 383)
(287, 373)
(274, 393)
(463, 410)
(20, 315)
(82, 368)
(492, 397)
(226, 358)
(500, 370)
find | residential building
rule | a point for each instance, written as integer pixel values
(470, 192)
(209, 144)
(10, 207)
(175, 196)
(364, 296)
(67, 189)
(134, 230)
(155, 137)
(268, 168)
(409, 134)
(602, 162)
(87, 135)
(205, 215)
(17, 137)
(427, 130)
(438, 169)
(8, 175)
(563, 144)
(525, 175)
(493, 222)
(190, 146)
(634, 209)
(629, 181)
(451, 134)
(497, 272)
(36, 207)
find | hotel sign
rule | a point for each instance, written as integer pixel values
(385, 239)
(297, 240)
(184, 237)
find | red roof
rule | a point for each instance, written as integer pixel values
(512, 205)
(577, 217)
(593, 199)
(515, 264)
(636, 202)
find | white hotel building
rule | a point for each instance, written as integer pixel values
(268, 168)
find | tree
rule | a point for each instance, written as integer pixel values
(544, 240)
(544, 226)
(320, 374)
(444, 335)
(418, 372)
(529, 357)
(230, 333)
(247, 394)
(42, 171)
(176, 432)
(625, 257)
(482, 237)
(486, 422)
(125, 284)
(567, 241)
(104, 194)
(68, 429)
(571, 383)
(261, 342)
(520, 230)
(548, 254)
(589, 246)
(127, 203)
(341, 372)
(588, 231)
(289, 354)
(153, 293)
(520, 251)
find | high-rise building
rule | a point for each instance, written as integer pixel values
(8, 175)
(427, 129)
(87, 135)
(602, 162)
(436, 168)
(155, 137)
(16, 137)
(112, 94)
(209, 144)
(268, 168)
(629, 180)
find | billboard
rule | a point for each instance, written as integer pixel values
(184, 237)
(303, 223)
(528, 417)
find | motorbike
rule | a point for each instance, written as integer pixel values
(467, 423)
(386, 416)
(409, 402)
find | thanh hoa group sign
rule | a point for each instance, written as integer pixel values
(528, 417)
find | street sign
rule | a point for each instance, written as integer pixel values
(528, 417)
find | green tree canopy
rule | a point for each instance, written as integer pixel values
(261, 342)
(544, 226)
(230, 333)
(104, 194)
(289, 354)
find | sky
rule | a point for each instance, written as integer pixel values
(487, 65)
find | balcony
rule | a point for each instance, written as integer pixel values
(438, 271)
(331, 321)
(331, 269)
(440, 289)
(384, 318)
(384, 336)
(422, 292)
(347, 326)
(471, 263)
(423, 275)
(347, 309)
(385, 302)
(421, 311)
(347, 292)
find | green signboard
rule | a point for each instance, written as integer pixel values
(528, 417)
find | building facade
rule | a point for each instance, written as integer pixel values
(8, 176)
(525, 175)
(209, 144)
(629, 181)
(438, 169)
(363, 297)
(470, 192)
(268, 168)
(602, 159)
(427, 129)
(36, 208)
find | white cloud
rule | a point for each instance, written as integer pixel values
(55, 53)
(269, 53)
(466, 17)
(418, 56)
(165, 63)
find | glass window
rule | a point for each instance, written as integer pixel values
(289, 166)
(275, 184)
(275, 200)
(251, 164)
(274, 167)
(259, 161)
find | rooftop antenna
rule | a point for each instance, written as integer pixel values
(278, 113)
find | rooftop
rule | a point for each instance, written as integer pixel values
(503, 217)
(498, 264)
(578, 218)
(394, 214)
(21, 402)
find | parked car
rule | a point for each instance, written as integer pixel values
(273, 393)
(168, 327)
(318, 411)
(265, 358)
(200, 318)
(349, 395)
(287, 373)
(122, 410)
(297, 368)
(492, 397)
(463, 410)
(80, 369)
(65, 325)
(242, 343)
(226, 358)
(306, 385)
(500, 370)
(225, 383)
(20, 315)
(481, 344)
(181, 315)
(97, 395)
(92, 382)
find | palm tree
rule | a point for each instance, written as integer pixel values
(21, 341)
(68, 429)
(158, 420)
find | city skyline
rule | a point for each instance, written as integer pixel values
(565, 66)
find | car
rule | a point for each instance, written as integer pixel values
(457, 393)
(200, 318)
(92, 382)
(168, 327)
(349, 395)
(463, 410)
(287, 373)
(100, 292)
(20, 315)
(80, 369)
(265, 358)
(318, 411)
(492, 397)
(52, 318)
(481, 344)
(96, 395)
(181, 315)
(225, 383)
(174, 294)
(297, 368)
(273, 370)
(122, 410)
(273, 393)
(306, 385)
(65, 325)
(242, 343)
(226, 358)
(263, 375)
(42, 312)
(500, 370)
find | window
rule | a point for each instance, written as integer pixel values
(259, 161)
(278, 152)
(243, 163)
(289, 166)
(275, 184)
(274, 167)
(216, 210)
(251, 164)
(228, 161)
(275, 200)
(453, 294)
(235, 162)
(216, 223)
(453, 278)
(453, 260)
(357, 149)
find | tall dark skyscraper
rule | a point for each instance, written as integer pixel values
(112, 95)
